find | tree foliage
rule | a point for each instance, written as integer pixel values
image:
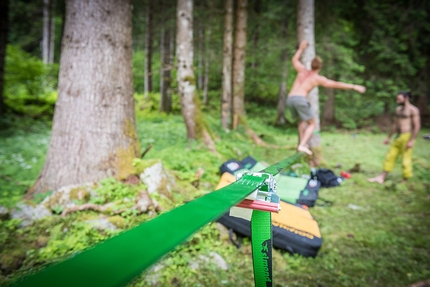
(381, 44)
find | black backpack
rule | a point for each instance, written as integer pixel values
(327, 177)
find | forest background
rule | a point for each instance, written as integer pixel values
(383, 45)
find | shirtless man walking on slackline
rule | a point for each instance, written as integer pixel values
(406, 125)
(305, 81)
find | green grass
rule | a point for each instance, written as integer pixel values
(381, 241)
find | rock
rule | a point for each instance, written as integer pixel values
(154, 274)
(354, 207)
(118, 221)
(157, 179)
(65, 196)
(223, 232)
(102, 224)
(144, 203)
(218, 260)
(4, 213)
(29, 212)
(213, 258)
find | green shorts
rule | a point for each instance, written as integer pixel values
(300, 108)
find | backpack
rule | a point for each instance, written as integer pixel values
(327, 177)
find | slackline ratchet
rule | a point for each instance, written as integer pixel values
(116, 261)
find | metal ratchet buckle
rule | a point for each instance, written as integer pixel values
(266, 197)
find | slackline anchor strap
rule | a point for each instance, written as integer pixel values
(117, 260)
(262, 242)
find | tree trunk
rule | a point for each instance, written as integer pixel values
(52, 34)
(185, 74)
(148, 50)
(94, 130)
(226, 101)
(256, 34)
(422, 91)
(200, 52)
(329, 108)
(165, 76)
(239, 62)
(48, 32)
(4, 12)
(280, 117)
(207, 65)
(422, 105)
(305, 31)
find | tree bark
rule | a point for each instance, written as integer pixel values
(166, 67)
(48, 32)
(329, 108)
(94, 130)
(4, 21)
(207, 65)
(305, 31)
(256, 34)
(226, 100)
(185, 74)
(200, 52)
(239, 62)
(52, 33)
(148, 49)
(165, 74)
(280, 115)
(422, 105)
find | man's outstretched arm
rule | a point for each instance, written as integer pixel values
(327, 83)
(296, 58)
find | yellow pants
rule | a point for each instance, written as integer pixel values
(398, 147)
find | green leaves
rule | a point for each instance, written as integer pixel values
(30, 86)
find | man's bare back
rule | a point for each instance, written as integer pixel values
(306, 79)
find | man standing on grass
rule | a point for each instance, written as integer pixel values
(406, 125)
(305, 81)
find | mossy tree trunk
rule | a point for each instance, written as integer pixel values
(94, 131)
(226, 101)
(148, 49)
(239, 58)
(4, 20)
(194, 122)
(305, 31)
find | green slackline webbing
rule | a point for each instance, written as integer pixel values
(119, 259)
(279, 166)
(261, 233)
(261, 240)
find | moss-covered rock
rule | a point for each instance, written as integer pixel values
(28, 213)
(157, 179)
(68, 196)
(118, 221)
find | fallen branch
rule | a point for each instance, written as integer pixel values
(146, 150)
(143, 204)
(91, 206)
